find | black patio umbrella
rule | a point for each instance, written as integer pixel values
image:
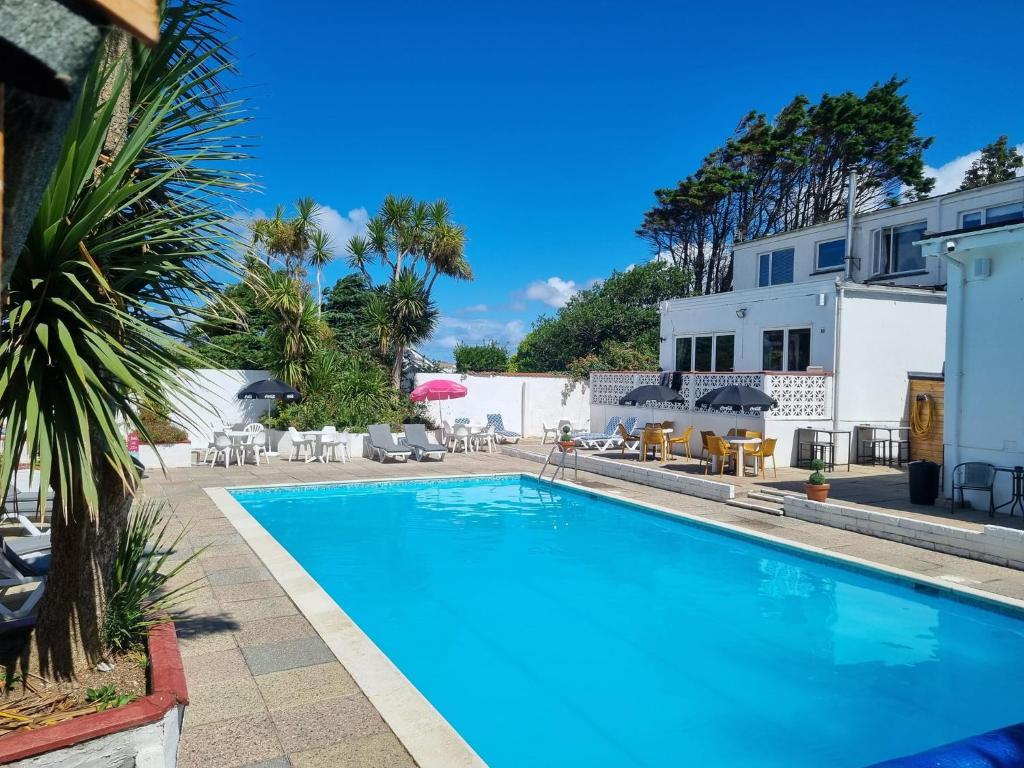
(650, 393)
(269, 389)
(736, 397)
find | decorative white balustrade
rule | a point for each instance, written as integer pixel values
(799, 395)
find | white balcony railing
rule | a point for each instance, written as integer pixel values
(799, 395)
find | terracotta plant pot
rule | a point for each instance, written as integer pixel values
(567, 445)
(817, 492)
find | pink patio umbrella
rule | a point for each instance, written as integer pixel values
(438, 389)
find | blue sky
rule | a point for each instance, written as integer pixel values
(547, 126)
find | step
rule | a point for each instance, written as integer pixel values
(775, 511)
(775, 497)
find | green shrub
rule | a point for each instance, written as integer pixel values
(481, 358)
(159, 426)
(140, 598)
(817, 477)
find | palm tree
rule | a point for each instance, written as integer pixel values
(287, 241)
(117, 263)
(320, 256)
(415, 242)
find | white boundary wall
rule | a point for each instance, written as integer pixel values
(216, 402)
(523, 400)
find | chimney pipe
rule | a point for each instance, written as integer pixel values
(851, 196)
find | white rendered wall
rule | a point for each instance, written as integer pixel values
(984, 414)
(216, 402)
(788, 306)
(942, 214)
(881, 340)
(525, 401)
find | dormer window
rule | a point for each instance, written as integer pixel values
(894, 252)
(775, 268)
(1010, 213)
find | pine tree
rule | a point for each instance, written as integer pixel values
(998, 162)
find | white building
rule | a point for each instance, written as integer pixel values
(984, 414)
(831, 332)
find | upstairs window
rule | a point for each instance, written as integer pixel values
(1011, 213)
(705, 353)
(831, 254)
(786, 349)
(775, 268)
(894, 250)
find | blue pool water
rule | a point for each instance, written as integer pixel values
(555, 628)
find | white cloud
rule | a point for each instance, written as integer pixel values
(474, 308)
(453, 330)
(555, 292)
(342, 228)
(950, 175)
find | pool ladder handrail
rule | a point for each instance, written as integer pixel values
(561, 463)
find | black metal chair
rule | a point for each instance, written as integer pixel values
(974, 476)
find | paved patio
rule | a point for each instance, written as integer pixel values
(266, 691)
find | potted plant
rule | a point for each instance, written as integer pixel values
(565, 440)
(817, 485)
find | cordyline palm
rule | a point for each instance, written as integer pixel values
(116, 264)
(320, 255)
(411, 238)
(401, 314)
(288, 240)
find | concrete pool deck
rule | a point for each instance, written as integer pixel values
(267, 691)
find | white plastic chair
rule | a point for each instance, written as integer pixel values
(300, 443)
(330, 441)
(461, 436)
(486, 437)
(223, 446)
(258, 445)
(253, 427)
(552, 431)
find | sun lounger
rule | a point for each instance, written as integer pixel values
(504, 435)
(601, 440)
(416, 438)
(25, 561)
(382, 444)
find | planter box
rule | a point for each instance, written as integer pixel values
(174, 455)
(143, 734)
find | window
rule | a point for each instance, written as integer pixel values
(786, 349)
(775, 268)
(773, 351)
(702, 353)
(725, 349)
(894, 249)
(798, 349)
(696, 353)
(684, 353)
(997, 214)
(831, 255)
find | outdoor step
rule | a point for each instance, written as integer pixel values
(773, 496)
(776, 511)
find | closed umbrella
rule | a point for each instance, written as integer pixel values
(438, 389)
(269, 389)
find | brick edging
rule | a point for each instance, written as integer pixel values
(167, 690)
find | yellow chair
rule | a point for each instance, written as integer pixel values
(717, 446)
(704, 435)
(652, 437)
(683, 440)
(766, 450)
(752, 433)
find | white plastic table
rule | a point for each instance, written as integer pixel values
(317, 454)
(740, 443)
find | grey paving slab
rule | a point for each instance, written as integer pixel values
(229, 743)
(382, 750)
(259, 632)
(238, 576)
(327, 723)
(305, 685)
(304, 652)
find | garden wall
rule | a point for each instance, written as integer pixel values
(524, 400)
(217, 394)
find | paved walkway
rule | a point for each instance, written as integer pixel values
(266, 691)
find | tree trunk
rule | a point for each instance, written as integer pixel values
(83, 550)
(396, 368)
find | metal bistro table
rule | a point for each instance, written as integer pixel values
(830, 443)
(1017, 492)
(899, 441)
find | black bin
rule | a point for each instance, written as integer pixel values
(924, 482)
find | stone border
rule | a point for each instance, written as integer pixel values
(429, 738)
(631, 471)
(993, 544)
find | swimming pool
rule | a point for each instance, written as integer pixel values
(553, 627)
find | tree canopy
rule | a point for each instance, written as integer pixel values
(623, 309)
(790, 172)
(998, 162)
(487, 357)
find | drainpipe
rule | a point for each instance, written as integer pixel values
(851, 197)
(837, 349)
